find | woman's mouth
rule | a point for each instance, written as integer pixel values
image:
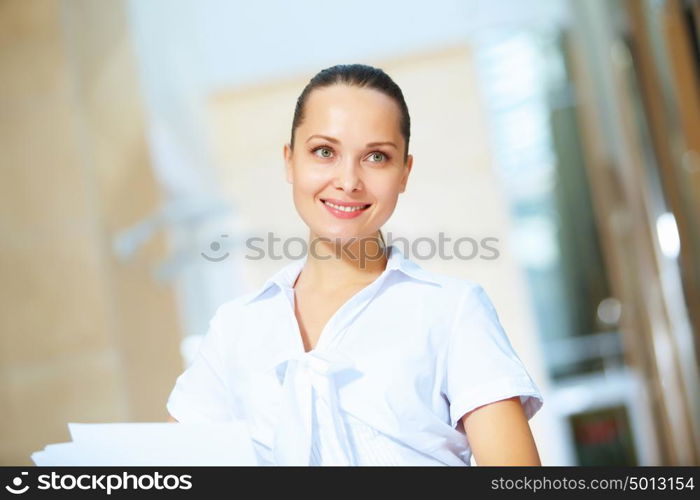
(345, 210)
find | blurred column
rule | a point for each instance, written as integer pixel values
(84, 338)
(629, 202)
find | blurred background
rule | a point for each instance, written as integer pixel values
(142, 145)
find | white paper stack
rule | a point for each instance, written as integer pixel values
(152, 444)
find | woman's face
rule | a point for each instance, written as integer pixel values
(347, 168)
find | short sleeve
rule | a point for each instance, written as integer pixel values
(201, 393)
(482, 366)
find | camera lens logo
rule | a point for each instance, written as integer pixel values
(17, 483)
(215, 247)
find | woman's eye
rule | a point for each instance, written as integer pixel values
(377, 156)
(323, 152)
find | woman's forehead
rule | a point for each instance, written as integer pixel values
(350, 109)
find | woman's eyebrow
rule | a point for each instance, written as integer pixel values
(383, 143)
(369, 145)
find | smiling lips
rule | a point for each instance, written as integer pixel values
(345, 209)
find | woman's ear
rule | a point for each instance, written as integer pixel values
(407, 170)
(287, 151)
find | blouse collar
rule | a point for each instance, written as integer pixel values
(285, 277)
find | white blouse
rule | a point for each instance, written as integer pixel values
(393, 371)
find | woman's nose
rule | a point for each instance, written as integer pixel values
(349, 176)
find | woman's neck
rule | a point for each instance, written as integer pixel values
(334, 266)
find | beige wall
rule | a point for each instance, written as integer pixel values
(82, 337)
(453, 187)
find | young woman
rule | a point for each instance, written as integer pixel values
(356, 355)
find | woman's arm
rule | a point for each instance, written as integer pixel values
(499, 434)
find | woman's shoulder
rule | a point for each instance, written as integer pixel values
(234, 308)
(447, 295)
(448, 285)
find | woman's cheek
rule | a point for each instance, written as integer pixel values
(308, 182)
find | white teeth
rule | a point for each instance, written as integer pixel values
(344, 209)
